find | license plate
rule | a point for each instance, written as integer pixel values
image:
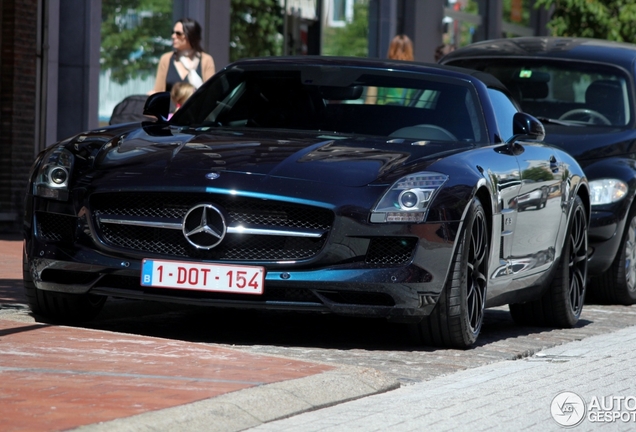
(202, 277)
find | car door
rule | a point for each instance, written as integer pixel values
(539, 210)
(531, 218)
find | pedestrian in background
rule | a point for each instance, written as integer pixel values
(187, 62)
(442, 50)
(180, 93)
(400, 48)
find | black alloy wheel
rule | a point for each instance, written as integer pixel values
(561, 305)
(458, 316)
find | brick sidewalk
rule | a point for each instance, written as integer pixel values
(57, 378)
(11, 269)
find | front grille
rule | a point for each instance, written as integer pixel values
(391, 250)
(237, 247)
(253, 212)
(240, 210)
(55, 227)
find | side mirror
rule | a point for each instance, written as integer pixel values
(525, 126)
(158, 105)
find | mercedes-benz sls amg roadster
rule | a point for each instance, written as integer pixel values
(351, 186)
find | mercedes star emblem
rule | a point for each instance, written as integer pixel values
(204, 226)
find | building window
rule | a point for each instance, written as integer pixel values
(340, 12)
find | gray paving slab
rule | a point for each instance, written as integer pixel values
(508, 395)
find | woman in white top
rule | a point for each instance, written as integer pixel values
(187, 61)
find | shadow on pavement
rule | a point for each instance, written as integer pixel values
(274, 328)
(11, 291)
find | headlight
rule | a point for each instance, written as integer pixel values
(607, 191)
(53, 177)
(409, 198)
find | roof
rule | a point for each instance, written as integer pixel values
(374, 63)
(564, 48)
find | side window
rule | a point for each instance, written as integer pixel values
(504, 112)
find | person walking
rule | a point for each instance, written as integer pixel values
(187, 62)
(442, 50)
(400, 48)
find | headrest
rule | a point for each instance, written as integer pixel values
(604, 91)
(606, 97)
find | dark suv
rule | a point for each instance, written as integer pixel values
(583, 91)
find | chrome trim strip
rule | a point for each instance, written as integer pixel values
(275, 232)
(230, 230)
(142, 223)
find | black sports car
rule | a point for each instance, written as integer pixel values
(583, 92)
(352, 186)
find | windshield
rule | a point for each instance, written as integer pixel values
(338, 101)
(572, 92)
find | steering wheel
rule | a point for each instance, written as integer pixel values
(583, 112)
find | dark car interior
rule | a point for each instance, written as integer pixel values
(429, 111)
(568, 91)
(602, 96)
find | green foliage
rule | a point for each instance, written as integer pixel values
(525, 12)
(601, 19)
(353, 38)
(466, 29)
(255, 28)
(132, 48)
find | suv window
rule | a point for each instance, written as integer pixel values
(582, 93)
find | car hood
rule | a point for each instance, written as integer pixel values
(318, 157)
(591, 142)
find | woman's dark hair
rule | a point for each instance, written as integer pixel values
(192, 31)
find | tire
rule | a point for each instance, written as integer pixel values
(618, 284)
(457, 318)
(61, 307)
(561, 305)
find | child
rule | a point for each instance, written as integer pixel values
(180, 93)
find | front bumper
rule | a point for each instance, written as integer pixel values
(401, 293)
(605, 235)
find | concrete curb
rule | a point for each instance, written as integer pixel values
(254, 406)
